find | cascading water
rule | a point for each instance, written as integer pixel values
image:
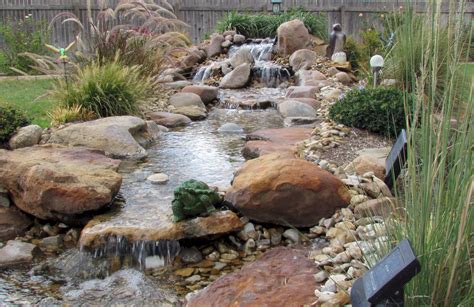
(264, 71)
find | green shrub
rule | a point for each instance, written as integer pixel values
(106, 89)
(266, 25)
(372, 43)
(10, 120)
(355, 53)
(25, 35)
(379, 110)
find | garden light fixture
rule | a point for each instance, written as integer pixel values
(276, 6)
(376, 63)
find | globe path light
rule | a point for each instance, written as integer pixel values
(376, 63)
(276, 6)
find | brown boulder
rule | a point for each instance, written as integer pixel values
(281, 277)
(367, 163)
(12, 223)
(286, 191)
(207, 93)
(302, 91)
(281, 140)
(302, 59)
(292, 36)
(170, 120)
(58, 183)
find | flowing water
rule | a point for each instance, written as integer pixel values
(264, 71)
(197, 151)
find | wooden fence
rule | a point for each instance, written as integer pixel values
(202, 15)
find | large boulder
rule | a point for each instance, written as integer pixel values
(311, 78)
(237, 78)
(185, 100)
(286, 191)
(154, 223)
(368, 163)
(12, 223)
(207, 93)
(170, 120)
(302, 91)
(57, 183)
(242, 56)
(302, 59)
(278, 140)
(215, 47)
(315, 104)
(16, 253)
(344, 78)
(121, 137)
(26, 136)
(195, 56)
(294, 108)
(292, 36)
(281, 277)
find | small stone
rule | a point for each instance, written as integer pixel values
(222, 248)
(248, 232)
(51, 244)
(275, 236)
(342, 258)
(293, 235)
(249, 246)
(207, 250)
(345, 225)
(190, 255)
(219, 266)
(318, 230)
(328, 223)
(358, 199)
(4, 201)
(214, 256)
(347, 213)
(193, 279)
(321, 258)
(159, 178)
(186, 272)
(321, 276)
(229, 256)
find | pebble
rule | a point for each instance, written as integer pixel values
(321, 276)
(293, 235)
(193, 279)
(190, 255)
(186, 272)
(159, 178)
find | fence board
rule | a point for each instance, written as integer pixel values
(202, 15)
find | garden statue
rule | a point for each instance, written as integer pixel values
(193, 198)
(337, 41)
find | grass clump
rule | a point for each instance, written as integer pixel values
(11, 118)
(379, 110)
(106, 89)
(438, 184)
(266, 25)
(69, 114)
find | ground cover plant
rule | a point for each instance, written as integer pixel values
(266, 25)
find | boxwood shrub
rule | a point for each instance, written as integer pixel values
(379, 110)
(10, 120)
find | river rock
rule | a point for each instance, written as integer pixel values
(343, 77)
(16, 253)
(123, 288)
(385, 207)
(121, 137)
(292, 36)
(154, 223)
(215, 47)
(286, 191)
(194, 57)
(302, 59)
(226, 44)
(281, 277)
(158, 178)
(278, 140)
(302, 92)
(176, 85)
(293, 108)
(169, 120)
(309, 101)
(207, 93)
(242, 56)
(367, 163)
(190, 255)
(12, 223)
(26, 136)
(239, 39)
(311, 78)
(185, 100)
(237, 78)
(230, 128)
(192, 112)
(79, 180)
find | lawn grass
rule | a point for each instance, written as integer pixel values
(24, 95)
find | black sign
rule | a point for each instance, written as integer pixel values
(384, 282)
(396, 159)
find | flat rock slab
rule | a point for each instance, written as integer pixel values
(169, 120)
(16, 253)
(12, 223)
(155, 224)
(281, 140)
(121, 137)
(281, 277)
(53, 182)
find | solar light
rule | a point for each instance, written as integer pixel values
(276, 6)
(376, 62)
